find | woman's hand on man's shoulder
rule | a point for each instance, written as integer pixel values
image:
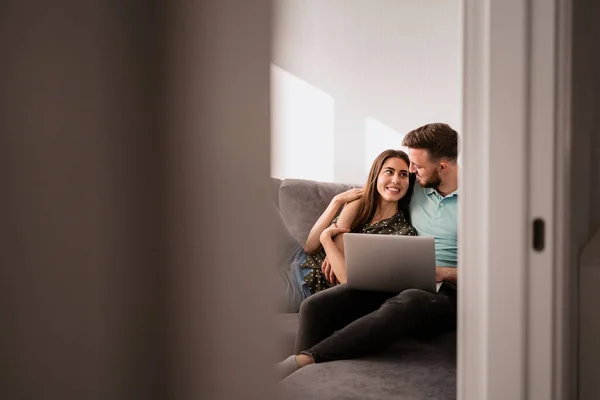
(348, 196)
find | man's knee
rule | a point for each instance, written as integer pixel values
(410, 298)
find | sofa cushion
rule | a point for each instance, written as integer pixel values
(407, 370)
(409, 375)
(301, 202)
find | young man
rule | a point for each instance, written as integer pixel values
(341, 323)
(433, 152)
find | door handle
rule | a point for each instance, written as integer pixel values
(539, 233)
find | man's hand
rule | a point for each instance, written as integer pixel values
(448, 274)
(328, 272)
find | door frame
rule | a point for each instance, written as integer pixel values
(516, 112)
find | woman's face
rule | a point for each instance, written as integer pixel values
(392, 181)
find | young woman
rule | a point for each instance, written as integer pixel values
(383, 209)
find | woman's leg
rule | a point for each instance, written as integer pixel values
(410, 313)
(332, 309)
(322, 314)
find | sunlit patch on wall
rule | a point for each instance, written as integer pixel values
(302, 128)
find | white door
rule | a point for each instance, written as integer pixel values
(512, 324)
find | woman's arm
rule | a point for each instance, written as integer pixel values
(345, 220)
(313, 244)
(334, 255)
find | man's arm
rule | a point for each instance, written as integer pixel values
(449, 274)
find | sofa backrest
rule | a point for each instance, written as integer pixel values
(301, 202)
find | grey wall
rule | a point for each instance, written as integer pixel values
(398, 62)
(221, 244)
(80, 201)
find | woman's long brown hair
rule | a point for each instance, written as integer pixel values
(370, 197)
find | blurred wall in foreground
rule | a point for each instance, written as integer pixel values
(134, 141)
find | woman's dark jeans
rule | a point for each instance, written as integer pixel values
(342, 323)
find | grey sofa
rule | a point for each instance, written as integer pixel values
(407, 370)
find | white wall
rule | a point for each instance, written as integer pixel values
(379, 67)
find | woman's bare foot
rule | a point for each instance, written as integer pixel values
(302, 360)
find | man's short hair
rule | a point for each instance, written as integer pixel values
(440, 140)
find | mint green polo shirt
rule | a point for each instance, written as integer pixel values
(437, 216)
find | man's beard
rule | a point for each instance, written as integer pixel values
(432, 182)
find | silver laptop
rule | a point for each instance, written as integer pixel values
(390, 263)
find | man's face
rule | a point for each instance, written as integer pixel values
(426, 171)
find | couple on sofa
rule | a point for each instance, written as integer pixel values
(341, 323)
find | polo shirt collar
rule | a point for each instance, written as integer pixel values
(429, 191)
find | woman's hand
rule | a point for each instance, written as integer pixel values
(348, 196)
(334, 255)
(331, 232)
(328, 272)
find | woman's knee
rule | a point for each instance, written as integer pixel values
(323, 302)
(307, 306)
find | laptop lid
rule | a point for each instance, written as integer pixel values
(390, 263)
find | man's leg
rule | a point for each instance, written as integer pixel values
(332, 309)
(410, 313)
